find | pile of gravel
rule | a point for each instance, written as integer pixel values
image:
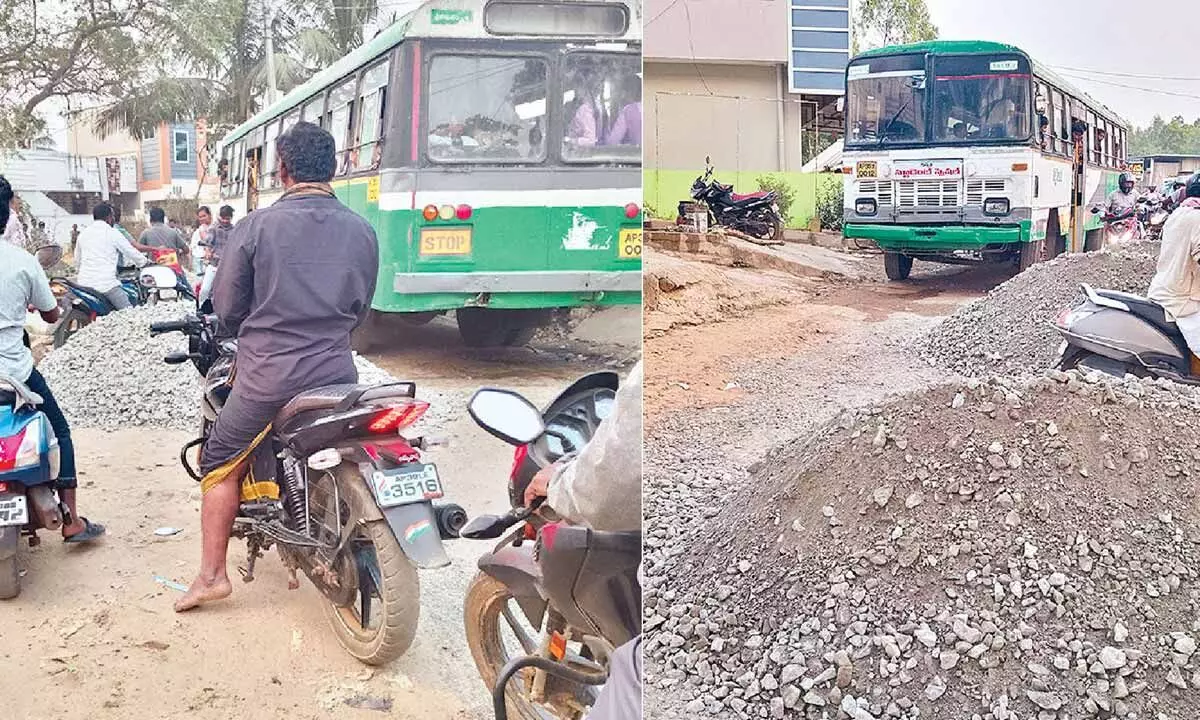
(1009, 330)
(1001, 550)
(111, 375)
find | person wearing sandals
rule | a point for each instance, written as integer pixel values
(23, 286)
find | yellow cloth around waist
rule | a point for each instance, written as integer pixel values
(250, 490)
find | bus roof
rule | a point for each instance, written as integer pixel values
(439, 18)
(986, 47)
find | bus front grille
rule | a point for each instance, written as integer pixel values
(927, 193)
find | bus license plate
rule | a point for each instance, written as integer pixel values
(445, 241)
(406, 484)
(629, 244)
(866, 169)
(13, 510)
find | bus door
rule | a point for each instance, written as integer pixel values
(1079, 211)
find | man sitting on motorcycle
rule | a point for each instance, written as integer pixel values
(602, 488)
(1176, 281)
(1122, 202)
(296, 279)
(24, 287)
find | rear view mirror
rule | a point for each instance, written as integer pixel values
(506, 415)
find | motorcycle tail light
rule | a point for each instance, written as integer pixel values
(397, 417)
(3, 487)
(10, 449)
(519, 456)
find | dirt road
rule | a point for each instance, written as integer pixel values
(93, 634)
(720, 395)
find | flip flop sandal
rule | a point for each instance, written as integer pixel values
(90, 532)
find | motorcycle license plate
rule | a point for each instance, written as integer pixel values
(13, 510)
(406, 484)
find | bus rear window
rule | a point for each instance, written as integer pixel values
(506, 17)
(486, 108)
(602, 107)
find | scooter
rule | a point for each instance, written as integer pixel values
(756, 214)
(1151, 216)
(1124, 229)
(568, 594)
(29, 463)
(1122, 334)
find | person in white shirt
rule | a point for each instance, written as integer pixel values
(200, 238)
(1176, 281)
(101, 247)
(14, 231)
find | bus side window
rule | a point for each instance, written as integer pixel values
(372, 103)
(313, 110)
(267, 171)
(337, 120)
(1058, 118)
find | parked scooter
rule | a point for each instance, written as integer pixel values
(1118, 334)
(756, 214)
(552, 601)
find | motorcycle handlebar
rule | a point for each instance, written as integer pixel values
(168, 326)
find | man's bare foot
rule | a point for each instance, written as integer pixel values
(203, 591)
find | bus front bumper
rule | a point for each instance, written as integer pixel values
(935, 239)
(518, 282)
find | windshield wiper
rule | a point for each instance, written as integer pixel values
(884, 132)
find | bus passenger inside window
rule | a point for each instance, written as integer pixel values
(486, 108)
(603, 107)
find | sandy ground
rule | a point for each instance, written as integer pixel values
(764, 375)
(92, 634)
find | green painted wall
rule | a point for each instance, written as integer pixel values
(663, 189)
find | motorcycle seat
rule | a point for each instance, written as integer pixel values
(751, 196)
(1145, 309)
(90, 295)
(330, 397)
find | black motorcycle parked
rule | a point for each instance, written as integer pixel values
(756, 214)
(346, 497)
(552, 601)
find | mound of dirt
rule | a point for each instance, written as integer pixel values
(1006, 549)
(1010, 329)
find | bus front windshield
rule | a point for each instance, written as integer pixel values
(981, 107)
(887, 108)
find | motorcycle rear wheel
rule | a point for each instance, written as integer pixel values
(10, 574)
(398, 588)
(72, 323)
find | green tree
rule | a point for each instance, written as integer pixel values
(1162, 137)
(81, 48)
(891, 22)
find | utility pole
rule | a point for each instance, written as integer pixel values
(272, 88)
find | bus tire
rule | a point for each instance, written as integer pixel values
(897, 266)
(1093, 240)
(482, 327)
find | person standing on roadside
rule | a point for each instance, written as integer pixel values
(200, 238)
(218, 239)
(14, 231)
(23, 286)
(101, 249)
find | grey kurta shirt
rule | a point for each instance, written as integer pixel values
(295, 280)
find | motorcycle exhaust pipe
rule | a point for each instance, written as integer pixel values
(450, 520)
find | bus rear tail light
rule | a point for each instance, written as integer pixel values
(1020, 167)
(464, 212)
(430, 213)
(446, 212)
(632, 210)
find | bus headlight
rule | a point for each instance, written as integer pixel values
(995, 206)
(865, 206)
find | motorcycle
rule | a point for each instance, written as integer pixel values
(1152, 215)
(347, 498)
(1119, 333)
(1122, 229)
(81, 305)
(29, 462)
(575, 590)
(756, 214)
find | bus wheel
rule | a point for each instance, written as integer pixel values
(364, 337)
(487, 327)
(897, 266)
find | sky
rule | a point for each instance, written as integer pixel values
(1149, 41)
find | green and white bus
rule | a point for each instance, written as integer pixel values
(962, 152)
(495, 146)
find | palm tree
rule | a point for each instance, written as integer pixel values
(337, 28)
